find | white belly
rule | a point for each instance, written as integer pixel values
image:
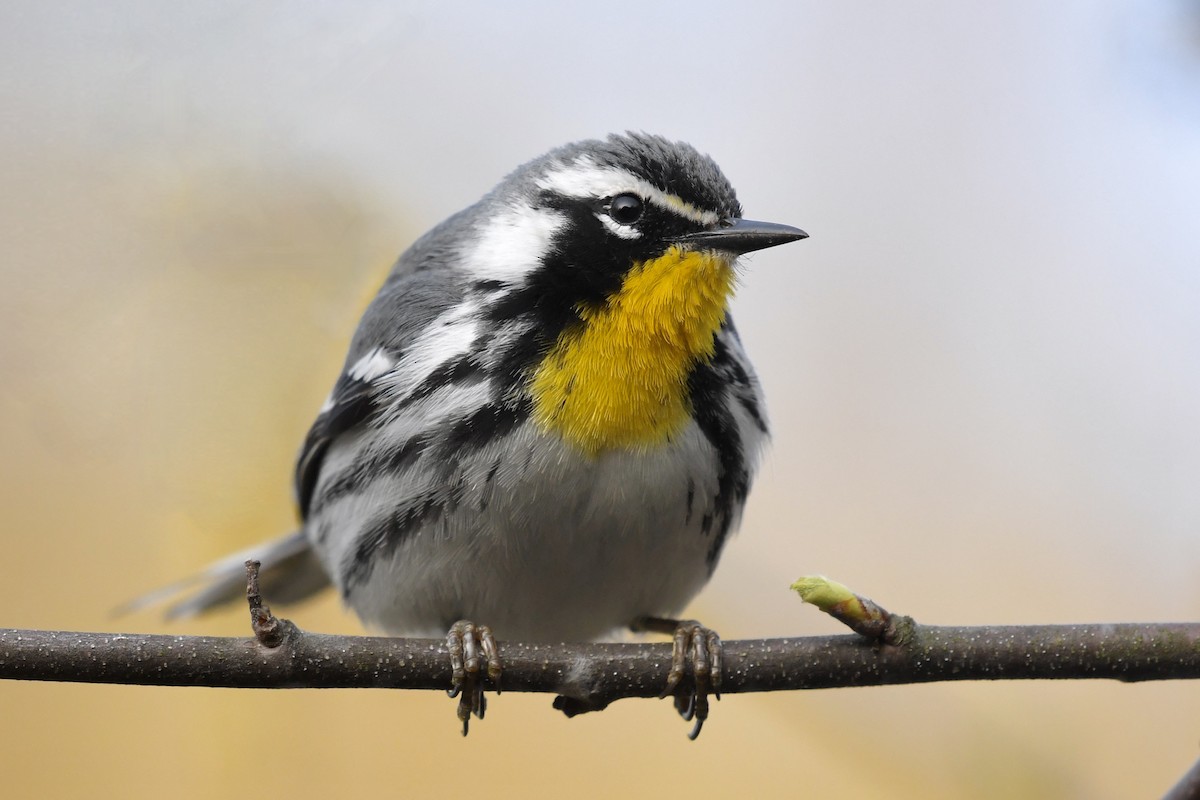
(539, 541)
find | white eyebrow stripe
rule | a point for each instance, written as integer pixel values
(582, 178)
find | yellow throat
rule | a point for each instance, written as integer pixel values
(619, 379)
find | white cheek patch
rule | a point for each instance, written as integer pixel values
(583, 178)
(512, 242)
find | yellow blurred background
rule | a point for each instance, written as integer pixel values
(981, 368)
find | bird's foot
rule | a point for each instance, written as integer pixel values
(469, 645)
(699, 648)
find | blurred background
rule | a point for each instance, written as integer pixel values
(981, 368)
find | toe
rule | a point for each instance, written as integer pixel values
(695, 649)
(469, 645)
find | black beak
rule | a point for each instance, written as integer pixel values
(743, 236)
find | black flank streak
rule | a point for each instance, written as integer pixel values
(743, 384)
(366, 470)
(381, 537)
(706, 388)
(462, 370)
(485, 496)
(481, 427)
(747, 401)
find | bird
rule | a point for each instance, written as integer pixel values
(546, 422)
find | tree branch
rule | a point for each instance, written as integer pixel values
(597, 674)
(890, 649)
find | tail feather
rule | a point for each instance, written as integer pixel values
(290, 572)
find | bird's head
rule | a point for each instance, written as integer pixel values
(576, 224)
(621, 252)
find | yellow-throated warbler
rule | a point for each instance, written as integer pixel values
(546, 421)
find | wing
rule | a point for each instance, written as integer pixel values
(350, 404)
(422, 286)
(419, 289)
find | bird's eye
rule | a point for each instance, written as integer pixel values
(626, 209)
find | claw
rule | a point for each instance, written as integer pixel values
(700, 647)
(465, 642)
